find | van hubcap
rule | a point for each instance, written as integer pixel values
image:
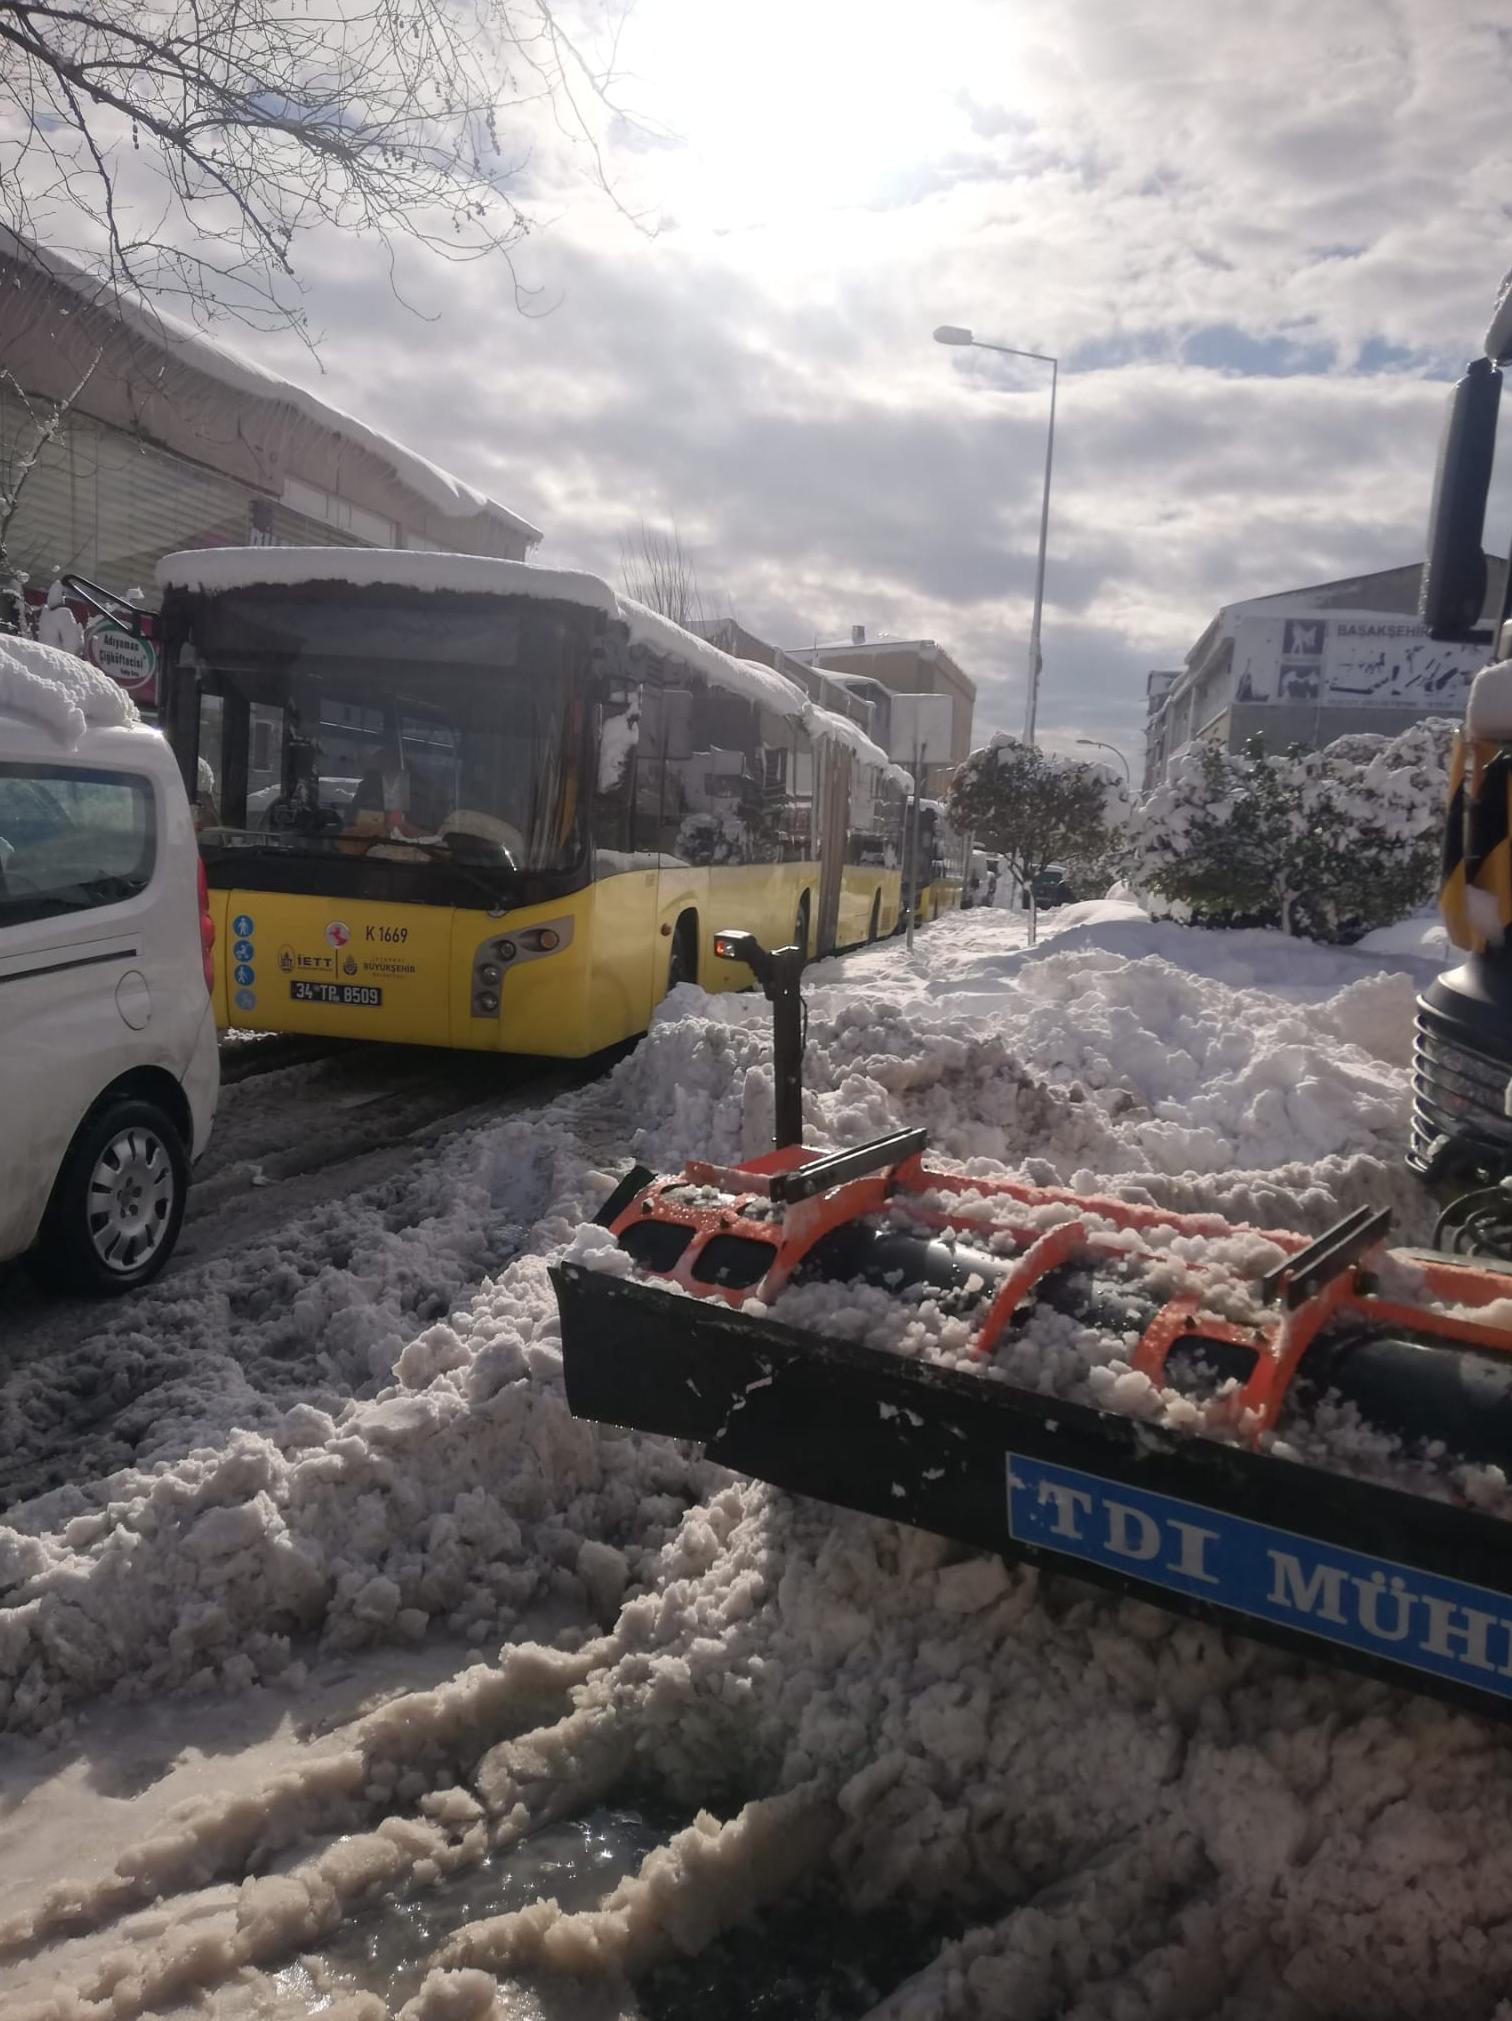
(130, 1199)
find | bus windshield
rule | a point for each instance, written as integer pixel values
(343, 723)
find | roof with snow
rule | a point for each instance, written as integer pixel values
(445, 494)
(225, 568)
(60, 692)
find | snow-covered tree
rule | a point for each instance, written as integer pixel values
(1034, 807)
(1324, 844)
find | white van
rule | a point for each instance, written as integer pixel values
(108, 1064)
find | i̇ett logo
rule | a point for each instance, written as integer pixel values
(337, 935)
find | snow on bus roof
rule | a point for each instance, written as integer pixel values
(225, 568)
(824, 722)
(62, 693)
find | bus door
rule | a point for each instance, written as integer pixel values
(834, 836)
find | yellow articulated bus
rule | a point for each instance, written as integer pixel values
(453, 801)
(942, 860)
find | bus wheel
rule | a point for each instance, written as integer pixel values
(801, 926)
(875, 927)
(682, 962)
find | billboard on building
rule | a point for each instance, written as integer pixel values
(1345, 661)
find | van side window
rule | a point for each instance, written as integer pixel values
(71, 840)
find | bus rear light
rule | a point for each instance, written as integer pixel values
(505, 950)
(207, 928)
(490, 974)
(487, 1002)
(547, 940)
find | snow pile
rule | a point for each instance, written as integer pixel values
(1084, 1804)
(62, 693)
(1126, 1047)
(1116, 1811)
(456, 1492)
(460, 1497)
(1422, 938)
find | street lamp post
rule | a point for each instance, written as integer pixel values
(1098, 745)
(951, 333)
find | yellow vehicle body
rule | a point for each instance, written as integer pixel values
(464, 802)
(942, 896)
(405, 973)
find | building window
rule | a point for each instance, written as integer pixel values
(370, 527)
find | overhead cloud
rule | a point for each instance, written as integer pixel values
(1260, 242)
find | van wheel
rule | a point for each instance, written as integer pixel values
(801, 926)
(875, 926)
(116, 1208)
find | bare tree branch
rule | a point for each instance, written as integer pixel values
(180, 149)
(21, 451)
(657, 570)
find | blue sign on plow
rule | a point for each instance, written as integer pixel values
(1391, 1611)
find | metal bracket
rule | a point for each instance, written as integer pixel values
(821, 1174)
(1337, 1249)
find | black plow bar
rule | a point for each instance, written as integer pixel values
(1371, 1578)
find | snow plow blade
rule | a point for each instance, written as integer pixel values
(1369, 1577)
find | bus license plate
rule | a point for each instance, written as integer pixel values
(360, 994)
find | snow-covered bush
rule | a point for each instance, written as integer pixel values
(1325, 844)
(1035, 808)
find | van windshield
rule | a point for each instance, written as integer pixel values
(352, 724)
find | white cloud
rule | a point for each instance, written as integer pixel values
(1127, 184)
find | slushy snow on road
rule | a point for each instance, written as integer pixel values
(419, 1696)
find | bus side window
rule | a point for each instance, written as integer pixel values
(614, 797)
(671, 756)
(720, 779)
(650, 768)
(894, 822)
(805, 841)
(770, 821)
(797, 795)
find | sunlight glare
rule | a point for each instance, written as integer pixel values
(798, 105)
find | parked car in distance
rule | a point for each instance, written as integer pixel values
(109, 1070)
(1051, 888)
